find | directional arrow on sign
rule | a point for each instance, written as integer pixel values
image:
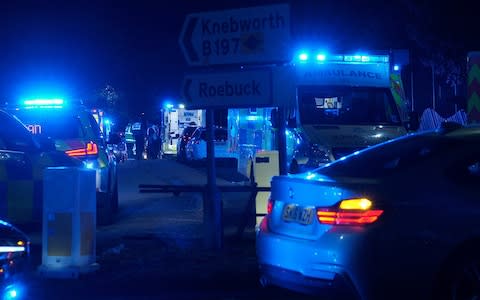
(240, 36)
(188, 49)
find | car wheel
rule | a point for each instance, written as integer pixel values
(461, 279)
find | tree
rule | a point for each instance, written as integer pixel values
(108, 98)
(438, 43)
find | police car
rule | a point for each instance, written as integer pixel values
(22, 160)
(14, 261)
(75, 131)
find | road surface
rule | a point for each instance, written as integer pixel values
(155, 249)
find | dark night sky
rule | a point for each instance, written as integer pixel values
(76, 47)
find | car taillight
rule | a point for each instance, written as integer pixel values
(349, 212)
(90, 149)
(270, 205)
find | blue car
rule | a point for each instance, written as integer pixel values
(399, 220)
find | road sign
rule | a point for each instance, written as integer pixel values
(249, 35)
(249, 88)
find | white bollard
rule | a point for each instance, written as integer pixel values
(69, 222)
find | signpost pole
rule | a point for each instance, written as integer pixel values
(282, 141)
(212, 206)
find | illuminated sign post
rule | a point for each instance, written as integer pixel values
(255, 35)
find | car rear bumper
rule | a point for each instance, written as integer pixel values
(311, 266)
(339, 287)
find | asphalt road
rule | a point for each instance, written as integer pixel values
(155, 249)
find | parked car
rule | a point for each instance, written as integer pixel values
(183, 140)
(117, 147)
(196, 147)
(75, 131)
(394, 221)
(14, 261)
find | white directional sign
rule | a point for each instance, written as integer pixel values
(253, 88)
(248, 35)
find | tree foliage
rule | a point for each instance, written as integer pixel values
(437, 38)
(108, 97)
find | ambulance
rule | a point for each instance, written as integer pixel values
(344, 103)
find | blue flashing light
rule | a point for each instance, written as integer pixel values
(252, 118)
(321, 57)
(169, 105)
(396, 68)
(107, 121)
(181, 106)
(349, 58)
(303, 56)
(13, 291)
(43, 102)
(12, 294)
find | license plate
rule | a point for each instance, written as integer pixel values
(298, 214)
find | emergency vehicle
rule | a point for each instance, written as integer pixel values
(75, 131)
(23, 157)
(343, 103)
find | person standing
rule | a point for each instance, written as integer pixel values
(154, 141)
(139, 132)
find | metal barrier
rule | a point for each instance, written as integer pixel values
(252, 188)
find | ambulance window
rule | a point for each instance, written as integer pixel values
(345, 105)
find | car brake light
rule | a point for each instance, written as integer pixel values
(349, 212)
(270, 205)
(90, 149)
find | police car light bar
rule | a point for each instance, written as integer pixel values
(43, 103)
(8, 249)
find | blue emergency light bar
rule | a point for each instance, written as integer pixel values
(43, 103)
(321, 57)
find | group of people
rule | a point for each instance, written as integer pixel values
(147, 138)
